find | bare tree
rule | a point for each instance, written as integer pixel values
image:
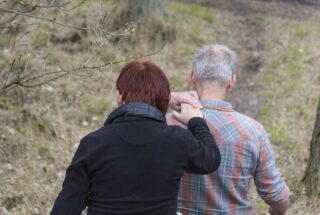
(312, 175)
(40, 22)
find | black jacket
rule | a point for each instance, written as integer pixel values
(133, 165)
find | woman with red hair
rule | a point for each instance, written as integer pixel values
(134, 163)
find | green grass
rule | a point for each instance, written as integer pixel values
(277, 135)
(294, 52)
(40, 39)
(192, 10)
(261, 16)
(266, 95)
(293, 68)
(196, 31)
(261, 206)
(69, 91)
(302, 32)
(280, 79)
(37, 124)
(290, 86)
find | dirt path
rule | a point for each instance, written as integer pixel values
(250, 39)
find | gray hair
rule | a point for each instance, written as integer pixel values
(214, 63)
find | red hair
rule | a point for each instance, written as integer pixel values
(144, 82)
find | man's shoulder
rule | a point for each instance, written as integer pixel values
(252, 125)
(248, 119)
(233, 123)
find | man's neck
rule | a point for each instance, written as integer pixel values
(211, 91)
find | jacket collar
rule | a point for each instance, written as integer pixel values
(135, 110)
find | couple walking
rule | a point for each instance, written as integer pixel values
(144, 161)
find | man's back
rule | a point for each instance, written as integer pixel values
(245, 153)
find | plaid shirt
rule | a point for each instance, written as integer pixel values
(245, 153)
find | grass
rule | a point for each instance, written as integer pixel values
(40, 39)
(302, 32)
(261, 16)
(192, 10)
(97, 105)
(197, 31)
(283, 89)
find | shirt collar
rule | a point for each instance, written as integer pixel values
(135, 110)
(216, 105)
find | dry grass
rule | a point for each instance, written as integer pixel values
(42, 126)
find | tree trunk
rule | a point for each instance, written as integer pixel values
(312, 175)
(144, 8)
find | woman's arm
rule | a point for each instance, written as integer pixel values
(73, 197)
(203, 152)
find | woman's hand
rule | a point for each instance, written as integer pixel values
(187, 112)
(189, 97)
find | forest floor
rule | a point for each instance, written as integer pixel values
(278, 84)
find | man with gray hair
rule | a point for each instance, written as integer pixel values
(243, 142)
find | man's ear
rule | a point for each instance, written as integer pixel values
(119, 98)
(192, 78)
(232, 82)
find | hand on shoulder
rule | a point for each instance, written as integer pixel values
(189, 97)
(187, 112)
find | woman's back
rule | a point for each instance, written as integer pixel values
(133, 165)
(136, 162)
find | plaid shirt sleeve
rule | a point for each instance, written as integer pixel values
(269, 182)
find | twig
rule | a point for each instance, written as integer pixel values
(78, 5)
(9, 73)
(41, 83)
(123, 60)
(22, 81)
(4, 10)
(44, 6)
(25, 34)
(310, 58)
(92, 56)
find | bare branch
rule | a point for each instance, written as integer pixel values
(125, 32)
(23, 81)
(9, 73)
(78, 5)
(123, 60)
(44, 6)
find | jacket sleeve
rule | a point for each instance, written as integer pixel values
(73, 197)
(203, 152)
(269, 182)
